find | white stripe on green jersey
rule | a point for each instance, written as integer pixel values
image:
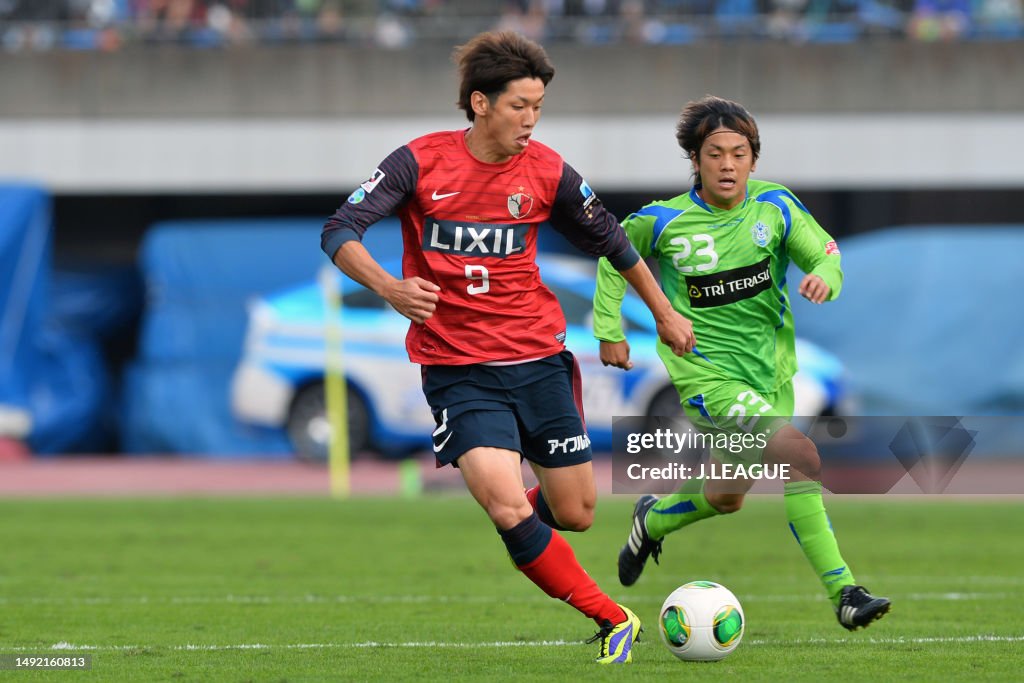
(726, 272)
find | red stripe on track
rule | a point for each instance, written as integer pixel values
(145, 476)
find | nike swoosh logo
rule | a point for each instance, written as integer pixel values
(437, 448)
(437, 196)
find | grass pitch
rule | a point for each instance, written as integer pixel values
(393, 589)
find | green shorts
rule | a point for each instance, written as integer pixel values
(737, 420)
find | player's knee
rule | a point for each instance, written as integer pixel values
(726, 503)
(805, 459)
(576, 518)
(505, 515)
(796, 450)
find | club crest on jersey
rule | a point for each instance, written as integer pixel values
(831, 248)
(520, 204)
(761, 234)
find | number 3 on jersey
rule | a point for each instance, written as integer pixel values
(478, 274)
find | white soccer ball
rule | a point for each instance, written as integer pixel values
(701, 621)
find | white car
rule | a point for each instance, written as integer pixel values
(279, 380)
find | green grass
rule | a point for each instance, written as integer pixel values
(297, 590)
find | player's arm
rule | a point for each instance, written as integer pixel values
(579, 215)
(673, 329)
(815, 252)
(391, 185)
(413, 297)
(609, 292)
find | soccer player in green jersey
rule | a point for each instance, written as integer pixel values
(723, 249)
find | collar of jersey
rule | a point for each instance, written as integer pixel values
(695, 198)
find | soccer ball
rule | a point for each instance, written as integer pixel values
(701, 621)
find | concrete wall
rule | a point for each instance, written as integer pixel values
(853, 152)
(341, 81)
(887, 114)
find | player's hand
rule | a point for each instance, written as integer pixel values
(616, 354)
(414, 297)
(677, 333)
(814, 289)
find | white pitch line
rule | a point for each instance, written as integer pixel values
(949, 596)
(924, 640)
(305, 646)
(740, 581)
(430, 644)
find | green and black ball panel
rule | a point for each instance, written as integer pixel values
(675, 627)
(727, 626)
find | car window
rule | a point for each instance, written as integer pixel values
(578, 309)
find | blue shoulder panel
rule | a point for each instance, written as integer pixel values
(663, 215)
(775, 197)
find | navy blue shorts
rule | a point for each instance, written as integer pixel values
(534, 408)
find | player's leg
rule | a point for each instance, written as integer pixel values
(697, 499)
(805, 509)
(654, 518)
(812, 528)
(478, 432)
(494, 478)
(548, 405)
(762, 414)
(550, 408)
(566, 496)
(572, 490)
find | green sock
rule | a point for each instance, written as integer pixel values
(675, 511)
(813, 531)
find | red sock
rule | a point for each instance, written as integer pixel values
(559, 575)
(531, 495)
(536, 499)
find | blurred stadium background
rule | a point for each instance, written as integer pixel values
(166, 161)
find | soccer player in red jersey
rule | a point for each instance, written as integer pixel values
(487, 332)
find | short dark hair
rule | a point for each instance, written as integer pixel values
(491, 60)
(699, 119)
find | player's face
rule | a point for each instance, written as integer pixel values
(503, 128)
(724, 165)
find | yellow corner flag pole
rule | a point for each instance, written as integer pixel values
(334, 384)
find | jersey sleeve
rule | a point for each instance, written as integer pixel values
(579, 215)
(610, 288)
(390, 186)
(813, 250)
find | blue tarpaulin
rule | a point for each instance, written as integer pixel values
(49, 373)
(929, 321)
(200, 277)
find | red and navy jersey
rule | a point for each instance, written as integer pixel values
(470, 227)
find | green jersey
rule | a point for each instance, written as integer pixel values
(726, 272)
